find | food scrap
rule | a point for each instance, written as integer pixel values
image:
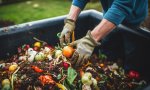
(44, 67)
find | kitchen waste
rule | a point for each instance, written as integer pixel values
(43, 67)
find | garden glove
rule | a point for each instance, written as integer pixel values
(85, 47)
(67, 31)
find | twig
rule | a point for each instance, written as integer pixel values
(12, 78)
(62, 78)
(39, 40)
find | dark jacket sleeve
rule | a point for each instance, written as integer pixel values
(80, 3)
(119, 10)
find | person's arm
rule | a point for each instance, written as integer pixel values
(74, 13)
(69, 22)
(113, 17)
(102, 29)
(76, 8)
(119, 10)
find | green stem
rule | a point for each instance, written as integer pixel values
(12, 78)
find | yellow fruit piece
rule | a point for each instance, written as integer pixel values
(37, 44)
(13, 67)
(62, 87)
(5, 81)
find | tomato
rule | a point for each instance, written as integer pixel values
(13, 67)
(37, 44)
(133, 74)
(36, 69)
(67, 51)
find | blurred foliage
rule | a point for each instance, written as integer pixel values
(38, 9)
(33, 10)
(10, 1)
(94, 5)
(26, 11)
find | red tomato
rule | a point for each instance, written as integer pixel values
(133, 74)
(36, 69)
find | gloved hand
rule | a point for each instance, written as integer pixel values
(67, 31)
(85, 47)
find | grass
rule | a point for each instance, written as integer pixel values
(94, 5)
(38, 9)
(23, 12)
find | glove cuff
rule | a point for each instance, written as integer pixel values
(92, 39)
(70, 21)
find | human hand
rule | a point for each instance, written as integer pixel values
(67, 31)
(85, 47)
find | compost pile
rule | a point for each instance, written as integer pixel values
(44, 67)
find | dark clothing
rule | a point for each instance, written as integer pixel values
(132, 12)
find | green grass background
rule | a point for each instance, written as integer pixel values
(25, 11)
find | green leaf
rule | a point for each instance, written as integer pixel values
(71, 75)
